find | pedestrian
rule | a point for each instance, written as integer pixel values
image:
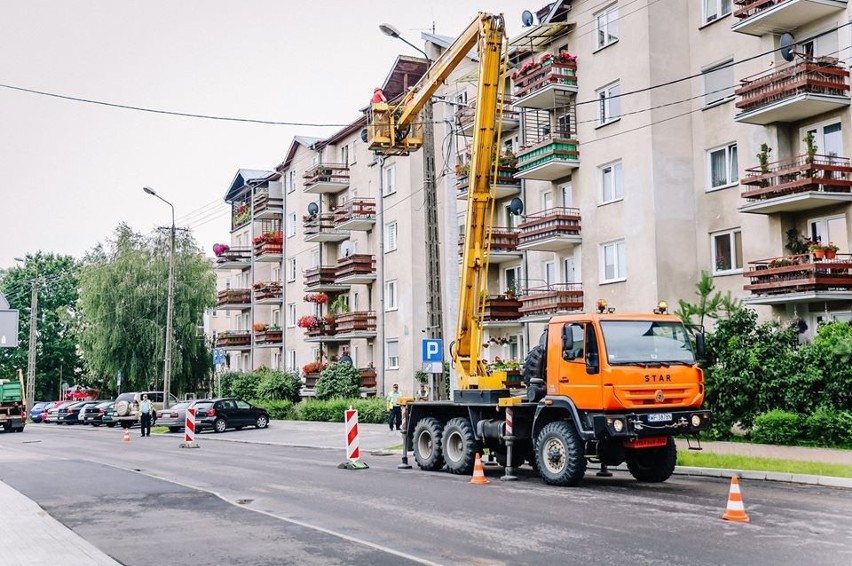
(345, 357)
(394, 410)
(422, 393)
(146, 410)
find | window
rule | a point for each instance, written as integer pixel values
(613, 262)
(390, 236)
(352, 155)
(291, 360)
(606, 26)
(718, 83)
(291, 182)
(715, 9)
(831, 229)
(291, 269)
(392, 349)
(344, 155)
(390, 296)
(612, 185)
(512, 279)
(291, 315)
(389, 183)
(276, 317)
(722, 166)
(291, 224)
(609, 104)
(727, 252)
(276, 273)
(549, 269)
(315, 258)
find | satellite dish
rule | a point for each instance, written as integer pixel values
(364, 135)
(313, 209)
(516, 207)
(785, 46)
(527, 18)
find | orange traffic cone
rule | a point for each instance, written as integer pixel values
(736, 509)
(127, 435)
(478, 472)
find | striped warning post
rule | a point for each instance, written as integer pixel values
(189, 429)
(353, 450)
(509, 418)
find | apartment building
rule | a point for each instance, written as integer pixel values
(645, 142)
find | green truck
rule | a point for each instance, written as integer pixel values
(13, 408)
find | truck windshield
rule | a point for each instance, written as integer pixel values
(645, 342)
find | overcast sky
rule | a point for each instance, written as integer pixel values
(70, 172)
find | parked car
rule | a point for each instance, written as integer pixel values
(53, 410)
(174, 417)
(126, 408)
(38, 412)
(222, 414)
(69, 413)
(94, 414)
(107, 418)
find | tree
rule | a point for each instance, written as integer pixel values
(338, 381)
(57, 358)
(123, 295)
(709, 305)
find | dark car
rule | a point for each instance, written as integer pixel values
(222, 414)
(39, 411)
(94, 414)
(69, 414)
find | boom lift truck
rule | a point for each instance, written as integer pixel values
(602, 387)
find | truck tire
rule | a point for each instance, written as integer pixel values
(653, 464)
(535, 363)
(426, 444)
(560, 454)
(460, 446)
(7, 426)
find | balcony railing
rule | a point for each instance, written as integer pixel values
(761, 17)
(233, 297)
(240, 214)
(793, 92)
(500, 307)
(800, 274)
(268, 204)
(550, 230)
(549, 158)
(356, 321)
(509, 119)
(795, 176)
(553, 298)
(322, 228)
(503, 240)
(266, 337)
(538, 85)
(271, 244)
(327, 178)
(318, 276)
(507, 183)
(233, 338)
(234, 258)
(356, 214)
(356, 267)
(267, 291)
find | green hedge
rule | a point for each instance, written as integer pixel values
(777, 427)
(333, 411)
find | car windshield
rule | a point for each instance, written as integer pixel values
(643, 342)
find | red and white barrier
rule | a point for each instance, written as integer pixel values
(189, 429)
(353, 450)
(509, 421)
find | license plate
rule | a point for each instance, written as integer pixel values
(659, 417)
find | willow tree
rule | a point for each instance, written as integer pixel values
(123, 299)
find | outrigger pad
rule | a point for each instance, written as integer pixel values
(349, 465)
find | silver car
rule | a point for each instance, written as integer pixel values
(174, 417)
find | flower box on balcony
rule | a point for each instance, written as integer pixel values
(502, 308)
(555, 149)
(532, 77)
(552, 299)
(311, 380)
(269, 337)
(368, 377)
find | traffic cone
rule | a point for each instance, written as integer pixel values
(736, 509)
(127, 435)
(478, 472)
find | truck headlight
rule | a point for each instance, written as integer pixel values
(696, 421)
(617, 425)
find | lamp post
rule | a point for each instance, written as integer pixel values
(434, 327)
(170, 305)
(31, 353)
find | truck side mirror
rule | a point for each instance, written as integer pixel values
(700, 347)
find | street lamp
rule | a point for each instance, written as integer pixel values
(31, 354)
(167, 364)
(434, 327)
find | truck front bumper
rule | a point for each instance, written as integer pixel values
(656, 423)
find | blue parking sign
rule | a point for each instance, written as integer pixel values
(433, 350)
(218, 356)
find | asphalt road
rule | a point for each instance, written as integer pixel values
(228, 502)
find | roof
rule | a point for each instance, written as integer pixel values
(243, 177)
(305, 141)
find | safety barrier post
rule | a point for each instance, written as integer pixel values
(353, 450)
(189, 429)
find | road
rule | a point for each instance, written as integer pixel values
(241, 500)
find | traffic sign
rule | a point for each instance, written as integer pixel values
(218, 356)
(433, 350)
(8, 329)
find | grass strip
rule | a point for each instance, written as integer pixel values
(734, 462)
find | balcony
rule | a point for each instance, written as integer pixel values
(507, 121)
(323, 278)
(499, 308)
(356, 324)
(504, 245)
(269, 246)
(550, 230)
(321, 228)
(327, 178)
(546, 85)
(268, 203)
(761, 17)
(543, 302)
(793, 92)
(797, 184)
(550, 158)
(358, 269)
(270, 337)
(233, 258)
(799, 279)
(356, 215)
(233, 299)
(240, 214)
(267, 292)
(507, 185)
(234, 340)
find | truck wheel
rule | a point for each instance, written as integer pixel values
(7, 426)
(426, 443)
(653, 464)
(535, 363)
(560, 455)
(460, 446)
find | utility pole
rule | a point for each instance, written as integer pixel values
(31, 356)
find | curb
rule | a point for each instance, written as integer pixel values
(826, 481)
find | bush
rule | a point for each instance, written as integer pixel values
(284, 385)
(244, 386)
(369, 410)
(338, 381)
(829, 427)
(278, 409)
(777, 427)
